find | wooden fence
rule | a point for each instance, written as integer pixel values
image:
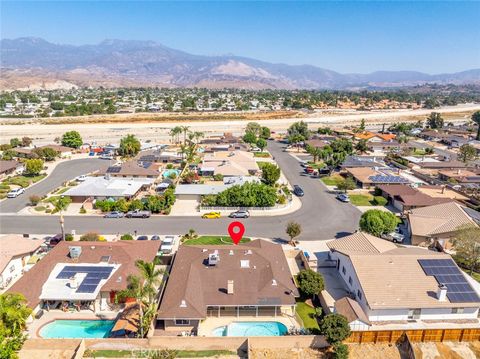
(419, 335)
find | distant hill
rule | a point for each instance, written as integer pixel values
(36, 63)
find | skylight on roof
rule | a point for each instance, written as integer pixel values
(245, 264)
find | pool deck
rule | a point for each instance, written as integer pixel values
(209, 324)
(35, 326)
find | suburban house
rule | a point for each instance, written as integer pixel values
(403, 287)
(363, 161)
(108, 187)
(159, 156)
(83, 275)
(374, 137)
(437, 224)
(10, 167)
(236, 163)
(404, 197)
(62, 150)
(131, 169)
(15, 253)
(460, 176)
(366, 177)
(248, 280)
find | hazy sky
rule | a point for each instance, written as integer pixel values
(432, 37)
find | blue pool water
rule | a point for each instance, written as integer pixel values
(251, 329)
(77, 329)
(167, 173)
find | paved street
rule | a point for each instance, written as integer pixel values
(64, 171)
(321, 215)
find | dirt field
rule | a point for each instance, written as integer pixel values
(286, 354)
(157, 126)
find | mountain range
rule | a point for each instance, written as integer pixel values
(35, 63)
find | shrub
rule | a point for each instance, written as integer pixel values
(335, 327)
(270, 173)
(310, 282)
(90, 237)
(33, 167)
(340, 351)
(218, 177)
(169, 166)
(83, 210)
(282, 199)
(69, 237)
(34, 199)
(39, 208)
(380, 201)
(126, 237)
(48, 210)
(377, 222)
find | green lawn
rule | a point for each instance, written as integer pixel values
(143, 354)
(361, 199)
(261, 154)
(62, 190)
(213, 240)
(331, 180)
(307, 314)
(317, 165)
(23, 181)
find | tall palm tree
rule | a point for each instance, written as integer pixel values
(175, 132)
(151, 275)
(185, 130)
(198, 135)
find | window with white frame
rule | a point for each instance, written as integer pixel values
(457, 310)
(182, 322)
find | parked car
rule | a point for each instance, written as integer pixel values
(155, 237)
(15, 192)
(395, 237)
(142, 238)
(114, 214)
(303, 164)
(211, 215)
(239, 214)
(53, 241)
(298, 191)
(81, 178)
(138, 214)
(106, 156)
(343, 197)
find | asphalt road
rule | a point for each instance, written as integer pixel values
(321, 215)
(64, 171)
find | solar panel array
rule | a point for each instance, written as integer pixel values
(387, 179)
(446, 272)
(91, 281)
(113, 169)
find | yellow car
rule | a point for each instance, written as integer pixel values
(211, 215)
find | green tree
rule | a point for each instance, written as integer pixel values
(466, 243)
(33, 167)
(15, 142)
(311, 283)
(253, 127)
(467, 153)
(295, 140)
(315, 152)
(47, 153)
(335, 327)
(346, 184)
(121, 205)
(261, 143)
(129, 146)
(151, 274)
(340, 351)
(61, 203)
(265, 133)
(377, 222)
(299, 128)
(185, 130)
(249, 137)
(270, 173)
(72, 139)
(135, 204)
(8, 155)
(293, 230)
(476, 119)
(13, 318)
(435, 120)
(362, 125)
(361, 146)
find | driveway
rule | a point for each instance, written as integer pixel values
(321, 215)
(64, 172)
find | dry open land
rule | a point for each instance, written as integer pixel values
(155, 127)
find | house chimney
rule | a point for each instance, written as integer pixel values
(442, 292)
(230, 286)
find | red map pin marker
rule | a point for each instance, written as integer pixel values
(236, 231)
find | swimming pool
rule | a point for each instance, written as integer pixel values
(167, 173)
(251, 329)
(77, 329)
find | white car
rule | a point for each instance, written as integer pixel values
(15, 192)
(395, 237)
(81, 178)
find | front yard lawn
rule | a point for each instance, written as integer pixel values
(361, 199)
(307, 314)
(261, 154)
(23, 181)
(332, 180)
(317, 165)
(213, 240)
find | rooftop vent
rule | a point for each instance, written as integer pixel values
(213, 259)
(274, 282)
(183, 304)
(442, 292)
(73, 282)
(105, 259)
(230, 253)
(245, 264)
(230, 286)
(75, 251)
(204, 250)
(248, 251)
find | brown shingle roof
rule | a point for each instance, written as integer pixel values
(351, 310)
(193, 285)
(6, 166)
(15, 245)
(361, 242)
(131, 168)
(122, 252)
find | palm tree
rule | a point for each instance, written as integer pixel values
(174, 132)
(151, 275)
(185, 130)
(198, 135)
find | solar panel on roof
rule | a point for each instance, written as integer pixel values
(446, 272)
(113, 169)
(86, 288)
